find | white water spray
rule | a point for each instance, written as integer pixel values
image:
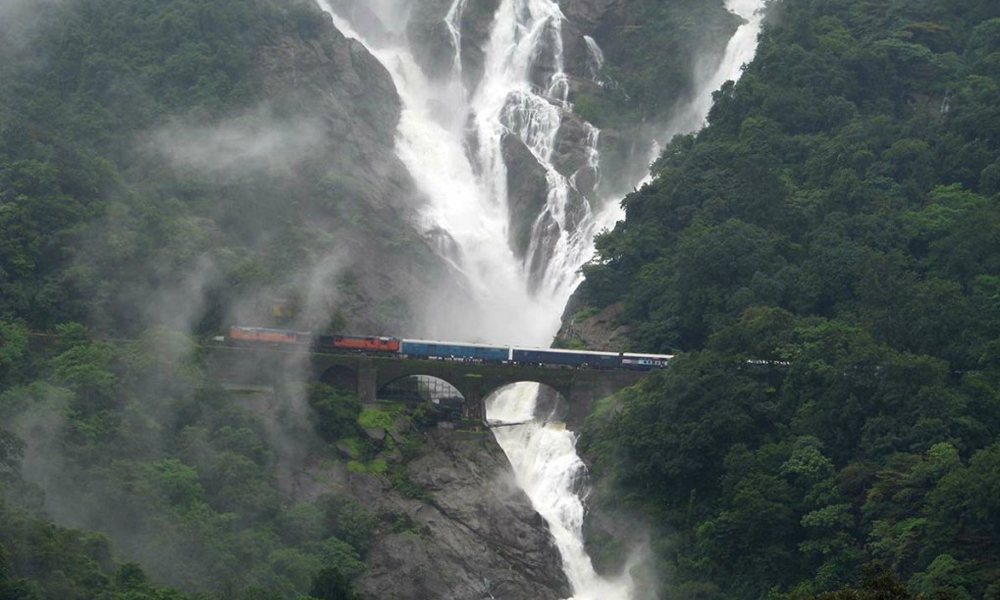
(595, 58)
(523, 93)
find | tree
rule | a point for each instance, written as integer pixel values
(336, 411)
(330, 584)
(11, 452)
(13, 352)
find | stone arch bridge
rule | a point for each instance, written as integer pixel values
(370, 375)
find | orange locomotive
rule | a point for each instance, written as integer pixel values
(321, 343)
(363, 343)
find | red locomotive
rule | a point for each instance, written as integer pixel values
(361, 343)
(320, 343)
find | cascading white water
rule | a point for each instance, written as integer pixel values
(548, 469)
(739, 51)
(523, 92)
(468, 194)
(595, 58)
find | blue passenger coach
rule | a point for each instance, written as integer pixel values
(570, 358)
(452, 351)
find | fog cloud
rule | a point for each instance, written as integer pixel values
(20, 20)
(253, 142)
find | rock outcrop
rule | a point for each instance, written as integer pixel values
(595, 18)
(571, 154)
(476, 23)
(596, 330)
(433, 44)
(476, 535)
(527, 191)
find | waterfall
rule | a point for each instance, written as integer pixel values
(595, 58)
(548, 469)
(454, 22)
(452, 141)
(739, 51)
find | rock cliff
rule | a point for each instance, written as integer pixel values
(353, 191)
(434, 46)
(476, 536)
(469, 532)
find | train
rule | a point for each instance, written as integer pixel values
(439, 350)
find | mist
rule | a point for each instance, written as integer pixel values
(240, 145)
(20, 21)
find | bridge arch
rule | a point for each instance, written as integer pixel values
(418, 387)
(580, 388)
(550, 403)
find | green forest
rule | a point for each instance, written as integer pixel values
(107, 251)
(140, 441)
(824, 258)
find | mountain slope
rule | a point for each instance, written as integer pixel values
(824, 254)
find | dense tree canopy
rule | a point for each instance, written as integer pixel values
(138, 440)
(824, 255)
(98, 224)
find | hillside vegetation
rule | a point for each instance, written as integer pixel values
(154, 172)
(186, 482)
(185, 163)
(825, 257)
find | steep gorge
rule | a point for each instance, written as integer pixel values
(498, 149)
(336, 176)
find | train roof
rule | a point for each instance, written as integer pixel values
(641, 355)
(565, 351)
(268, 329)
(446, 343)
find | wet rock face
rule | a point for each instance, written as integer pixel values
(571, 155)
(477, 20)
(430, 39)
(623, 160)
(353, 187)
(339, 81)
(476, 537)
(432, 42)
(527, 191)
(595, 18)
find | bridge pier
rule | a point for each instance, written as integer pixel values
(472, 391)
(367, 381)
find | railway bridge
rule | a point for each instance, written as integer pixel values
(372, 376)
